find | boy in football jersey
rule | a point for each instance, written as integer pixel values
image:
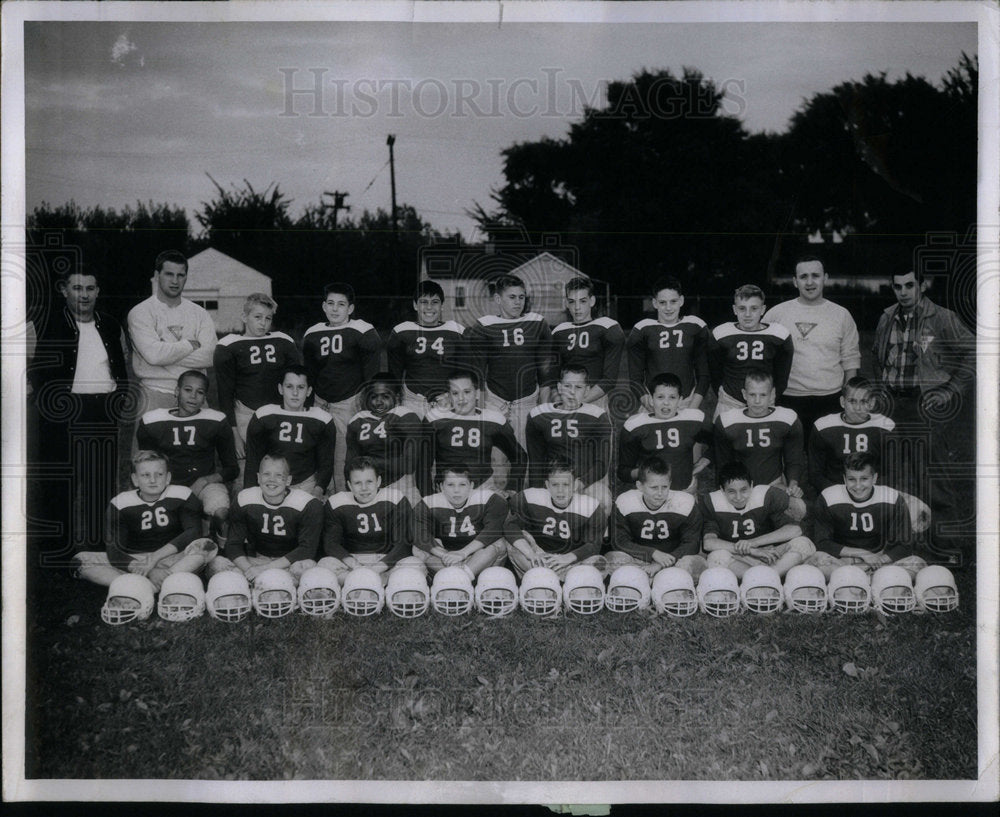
(248, 367)
(152, 530)
(862, 523)
(764, 437)
(192, 436)
(670, 343)
(421, 353)
(341, 354)
(306, 437)
(666, 431)
(573, 430)
(461, 525)
(366, 525)
(272, 525)
(464, 433)
(747, 525)
(736, 347)
(654, 527)
(391, 435)
(593, 343)
(554, 526)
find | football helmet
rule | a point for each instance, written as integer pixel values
(628, 589)
(892, 590)
(496, 592)
(936, 590)
(849, 590)
(319, 592)
(805, 589)
(719, 592)
(583, 590)
(674, 593)
(130, 598)
(760, 590)
(541, 594)
(274, 593)
(451, 591)
(182, 597)
(407, 593)
(228, 596)
(363, 593)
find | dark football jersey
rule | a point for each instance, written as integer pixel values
(674, 527)
(595, 345)
(514, 355)
(422, 356)
(769, 446)
(880, 523)
(397, 442)
(340, 359)
(834, 439)
(671, 440)
(249, 369)
(763, 513)
(578, 528)
(582, 436)
(384, 525)
(190, 443)
(305, 438)
(470, 439)
(135, 526)
(481, 519)
(680, 348)
(732, 352)
(292, 528)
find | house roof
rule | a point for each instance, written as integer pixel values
(211, 269)
(485, 262)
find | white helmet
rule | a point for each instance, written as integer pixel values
(130, 598)
(935, 590)
(541, 594)
(496, 592)
(674, 593)
(849, 590)
(760, 590)
(228, 596)
(182, 597)
(583, 590)
(319, 592)
(451, 591)
(805, 589)
(719, 592)
(628, 589)
(892, 590)
(363, 593)
(407, 593)
(274, 593)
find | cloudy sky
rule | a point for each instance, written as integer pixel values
(118, 112)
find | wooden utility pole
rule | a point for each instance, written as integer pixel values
(337, 206)
(392, 180)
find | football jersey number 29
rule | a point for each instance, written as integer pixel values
(552, 525)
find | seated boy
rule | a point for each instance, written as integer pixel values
(654, 527)
(152, 531)
(272, 525)
(554, 526)
(747, 525)
(668, 432)
(192, 436)
(461, 525)
(573, 430)
(862, 523)
(306, 437)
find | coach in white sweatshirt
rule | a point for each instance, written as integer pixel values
(169, 333)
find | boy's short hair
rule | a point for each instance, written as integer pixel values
(732, 472)
(652, 465)
(431, 288)
(504, 282)
(856, 383)
(339, 288)
(666, 379)
(148, 455)
(748, 291)
(860, 460)
(559, 465)
(386, 378)
(362, 464)
(464, 374)
(667, 282)
(193, 374)
(578, 283)
(297, 369)
(758, 376)
(170, 257)
(259, 299)
(459, 469)
(574, 368)
(275, 456)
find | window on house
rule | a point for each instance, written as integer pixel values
(208, 304)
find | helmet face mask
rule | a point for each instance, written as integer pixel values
(719, 592)
(451, 592)
(541, 592)
(319, 592)
(805, 589)
(496, 592)
(674, 593)
(849, 589)
(182, 598)
(892, 590)
(583, 590)
(130, 598)
(363, 594)
(628, 589)
(274, 593)
(761, 590)
(407, 593)
(935, 590)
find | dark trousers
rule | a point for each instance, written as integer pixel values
(810, 408)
